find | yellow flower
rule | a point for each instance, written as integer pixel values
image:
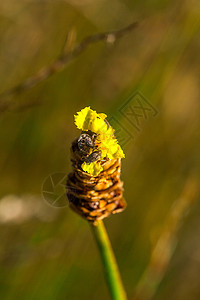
(88, 119)
(93, 168)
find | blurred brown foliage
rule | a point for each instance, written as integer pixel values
(48, 252)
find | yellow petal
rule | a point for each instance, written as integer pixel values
(93, 168)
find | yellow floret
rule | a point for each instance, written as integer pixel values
(94, 168)
(88, 119)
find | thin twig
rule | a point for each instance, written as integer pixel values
(65, 58)
(110, 265)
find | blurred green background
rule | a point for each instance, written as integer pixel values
(48, 252)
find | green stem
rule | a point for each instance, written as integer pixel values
(110, 265)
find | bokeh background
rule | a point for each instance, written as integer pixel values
(48, 252)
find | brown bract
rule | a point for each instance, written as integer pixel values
(95, 197)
